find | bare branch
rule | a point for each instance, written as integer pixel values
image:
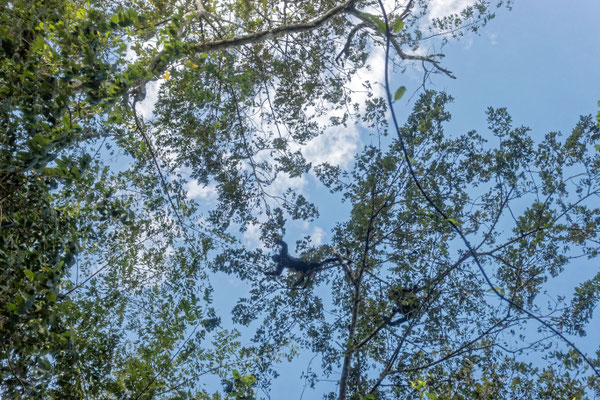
(346, 50)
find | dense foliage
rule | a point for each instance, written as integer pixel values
(107, 265)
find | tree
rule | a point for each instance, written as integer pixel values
(105, 290)
(460, 342)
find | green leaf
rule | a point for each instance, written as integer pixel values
(398, 25)
(41, 140)
(497, 289)
(418, 385)
(51, 297)
(114, 19)
(399, 93)
(45, 365)
(452, 221)
(29, 274)
(376, 20)
(75, 172)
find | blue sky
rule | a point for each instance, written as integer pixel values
(541, 61)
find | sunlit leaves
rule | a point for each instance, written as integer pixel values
(399, 93)
(398, 26)
(29, 274)
(453, 221)
(378, 22)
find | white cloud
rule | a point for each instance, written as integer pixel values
(317, 235)
(284, 181)
(252, 237)
(468, 43)
(441, 8)
(152, 87)
(147, 106)
(336, 146)
(201, 192)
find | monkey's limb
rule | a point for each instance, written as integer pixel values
(280, 259)
(284, 247)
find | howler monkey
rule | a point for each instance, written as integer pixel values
(307, 269)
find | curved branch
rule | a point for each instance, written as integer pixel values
(392, 40)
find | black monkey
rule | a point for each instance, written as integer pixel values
(407, 303)
(307, 269)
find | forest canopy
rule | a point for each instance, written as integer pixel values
(431, 281)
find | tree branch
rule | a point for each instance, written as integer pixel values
(156, 67)
(429, 59)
